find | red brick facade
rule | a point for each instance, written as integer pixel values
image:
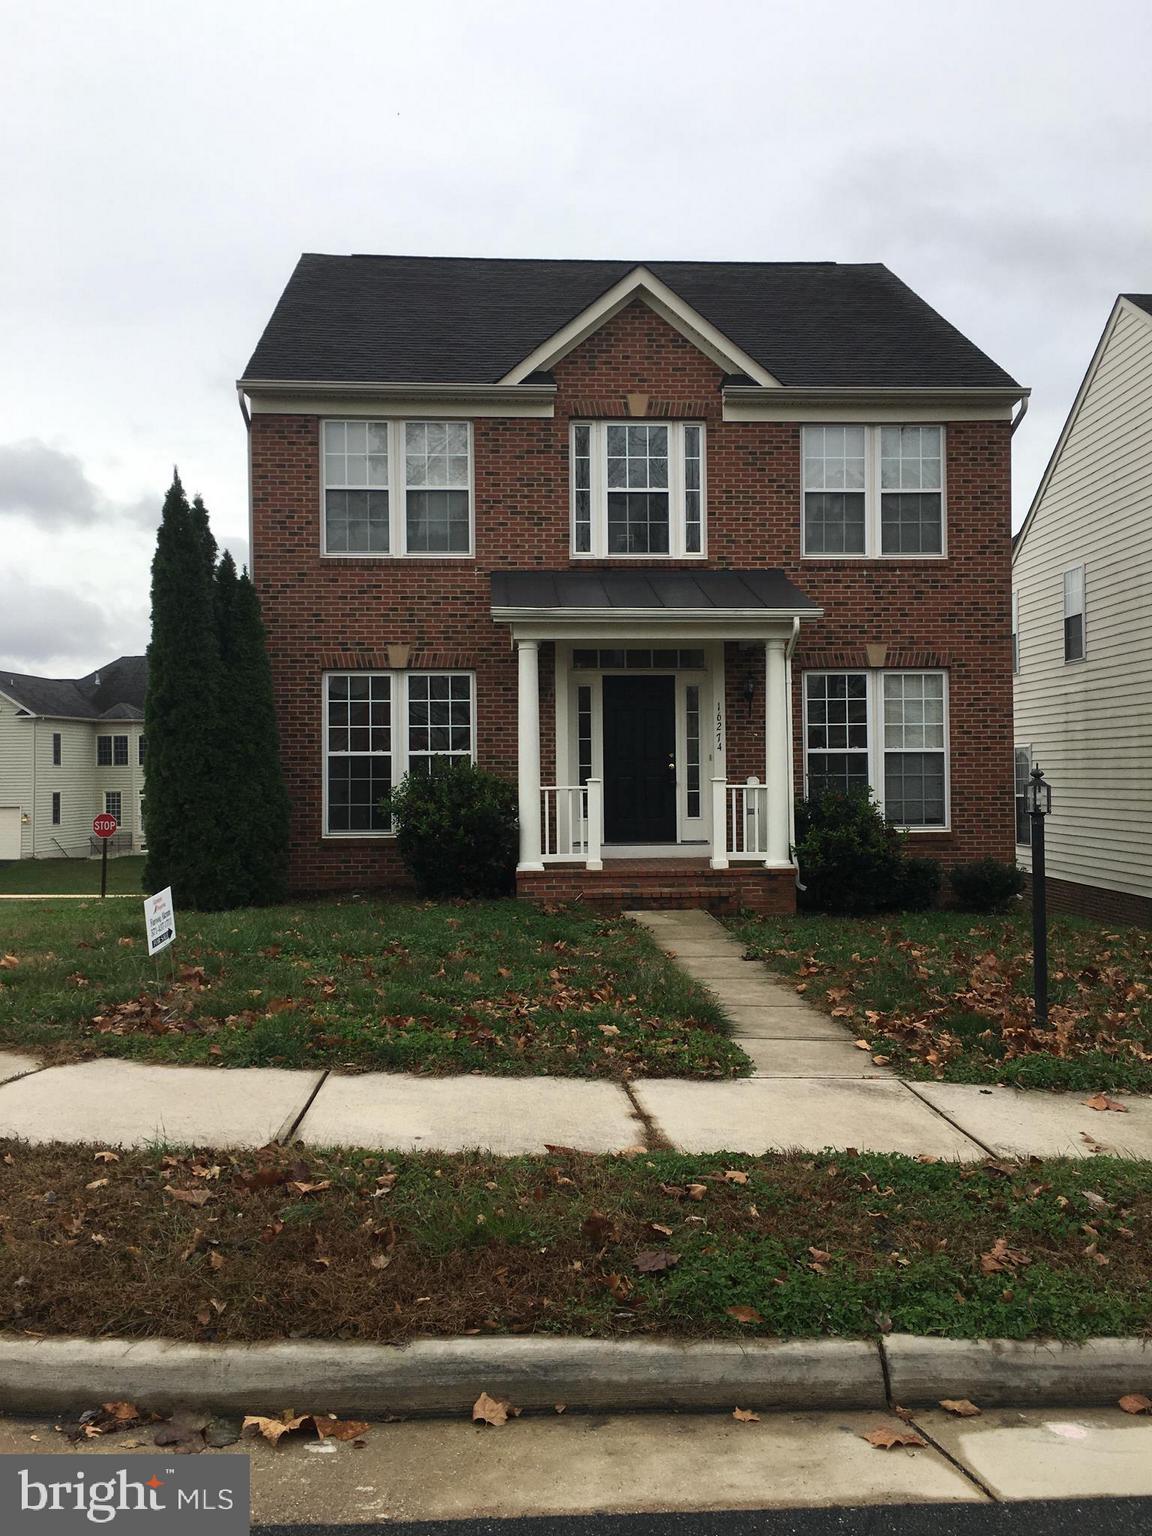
(345, 613)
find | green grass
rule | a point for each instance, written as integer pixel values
(72, 877)
(485, 986)
(354, 1245)
(949, 995)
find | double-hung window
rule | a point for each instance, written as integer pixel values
(397, 488)
(880, 731)
(378, 726)
(114, 805)
(111, 751)
(1074, 614)
(875, 491)
(57, 749)
(637, 488)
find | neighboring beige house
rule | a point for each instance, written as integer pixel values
(70, 747)
(1082, 634)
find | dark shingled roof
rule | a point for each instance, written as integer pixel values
(446, 320)
(1141, 300)
(114, 692)
(676, 591)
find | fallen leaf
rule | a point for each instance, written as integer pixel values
(745, 1416)
(961, 1407)
(96, 1184)
(340, 1429)
(8, 962)
(274, 1430)
(1136, 1402)
(560, 1407)
(744, 1314)
(1000, 1258)
(107, 1157)
(697, 1191)
(884, 1438)
(189, 1196)
(653, 1261)
(1102, 1101)
(734, 1176)
(123, 1413)
(492, 1410)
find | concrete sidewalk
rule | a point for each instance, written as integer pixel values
(811, 1089)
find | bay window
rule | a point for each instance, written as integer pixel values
(397, 488)
(880, 731)
(378, 726)
(637, 488)
(873, 491)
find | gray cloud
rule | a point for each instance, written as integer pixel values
(50, 487)
(51, 631)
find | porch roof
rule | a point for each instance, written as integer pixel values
(649, 592)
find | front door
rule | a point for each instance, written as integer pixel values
(640, 759)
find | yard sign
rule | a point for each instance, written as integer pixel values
(160, 920)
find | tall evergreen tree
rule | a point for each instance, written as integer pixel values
(253, 867)
(183, 804)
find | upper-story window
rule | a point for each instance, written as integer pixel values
(637, 488)
(873, 491)
(111, 751)
(1074, 614)
(397, 488)
(1015, 631)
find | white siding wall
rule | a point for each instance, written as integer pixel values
(72, 779)
(1089, 723)
(129, 780)
(16, 767)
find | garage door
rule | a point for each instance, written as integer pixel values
(9, 831)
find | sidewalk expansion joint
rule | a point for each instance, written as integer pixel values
(955, 1124)
(964, 1471)
(285, 1134)
(654, 1138)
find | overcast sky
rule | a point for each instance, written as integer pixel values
(161, 167)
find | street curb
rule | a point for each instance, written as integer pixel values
(1015, 1373)
(440, 1376)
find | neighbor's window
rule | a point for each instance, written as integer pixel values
(1015, 631)
(873, 490)
(111, 751)
(114, 805)
(140, 740)
(1074, 614)
(55, 807)
(1023, 770)
(880, 730)
(371, 507)
(637, 488)
(57, 748)
(365, 752)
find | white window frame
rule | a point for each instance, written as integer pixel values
(398, 682)
(876, 748)
(1019, 791)
(1071, 661)
(677, 501)
(872, 495)
(397, 491)
(112, 740)
(1015, 631)
(118, 796)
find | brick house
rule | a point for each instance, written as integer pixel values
(665, 543)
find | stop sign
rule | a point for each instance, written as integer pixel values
(104, 825)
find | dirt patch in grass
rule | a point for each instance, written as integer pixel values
(362, 1246)
(948, 995)
(360, 985)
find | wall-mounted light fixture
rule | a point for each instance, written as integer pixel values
(749, 691)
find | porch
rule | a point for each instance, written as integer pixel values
(655, 740)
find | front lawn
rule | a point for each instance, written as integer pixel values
(948, 995)
(485, 986)
(365, 1247)
(67, 877)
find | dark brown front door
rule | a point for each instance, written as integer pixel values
(640, 759)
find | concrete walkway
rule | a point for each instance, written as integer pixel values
(812, 1089)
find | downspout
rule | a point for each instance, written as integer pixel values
(248, 430)
(1019, 416)
(35, 745)
(788, 650)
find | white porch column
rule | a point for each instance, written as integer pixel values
(528, 752)
(777, 767)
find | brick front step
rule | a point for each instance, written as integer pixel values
(645, 884)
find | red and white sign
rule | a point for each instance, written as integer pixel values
(104, 825)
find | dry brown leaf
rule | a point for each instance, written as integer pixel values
(107, 1157)
(653, 1261)
(340, 1429)
(492, 1410)
(884, 1438)
(1102, 1101)
(961, 1407)
(744, 1314)
(697, 1191)
(734, 1176)
(745, 1416)
(1001, 1259)
(1135, 1402)
(96, 1184)
(189, 1196)
(8, 962)
(274, 1430)
(123, 1413)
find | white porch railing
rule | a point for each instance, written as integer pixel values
(571, 818)
(739, 822)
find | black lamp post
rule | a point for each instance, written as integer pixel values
(1039, 804)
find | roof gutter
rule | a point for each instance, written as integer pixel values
(505, 615)
(1020, 415)
(756, 394)
(382, 390)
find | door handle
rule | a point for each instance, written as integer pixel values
(672, 764)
